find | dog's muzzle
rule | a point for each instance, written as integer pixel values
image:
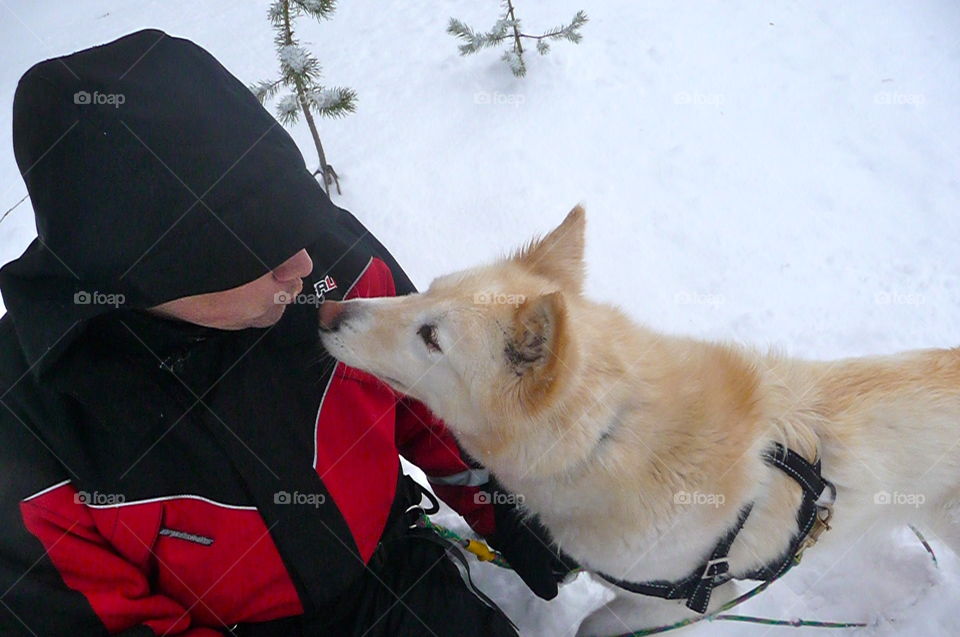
(331, 315)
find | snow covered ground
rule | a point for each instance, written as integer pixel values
(781, 173)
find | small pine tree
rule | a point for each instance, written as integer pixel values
(300, 72)
(508, 28)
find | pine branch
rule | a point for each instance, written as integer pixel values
(515, 25)
(572, 31)
(469, 36)
(276, 13)
(508, 28)
(474, 41)
(10, 209)
(265, 89)
(297, 63)
(300, 71)
(515, 61)
(569, 32)
(288, 109)
(319, 9)
(332, 102)
(500, 29)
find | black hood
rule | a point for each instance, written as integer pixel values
(154, 174)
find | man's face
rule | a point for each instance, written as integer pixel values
(259, 303)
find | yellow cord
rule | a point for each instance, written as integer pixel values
(481, 550)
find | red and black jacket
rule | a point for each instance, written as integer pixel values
(160, 477)
(185, 479)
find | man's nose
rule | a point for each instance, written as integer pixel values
(296, 267)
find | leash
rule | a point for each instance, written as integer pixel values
(482, 552)
(719, 614)
(418, 524)
(485, 554)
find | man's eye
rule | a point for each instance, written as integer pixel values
(428, 333)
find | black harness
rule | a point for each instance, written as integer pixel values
(812, 519)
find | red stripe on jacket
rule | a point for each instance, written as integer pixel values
(361, 424)
(132, 574)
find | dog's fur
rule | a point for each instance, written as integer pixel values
(637, 449)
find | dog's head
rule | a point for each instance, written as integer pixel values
(480, 343)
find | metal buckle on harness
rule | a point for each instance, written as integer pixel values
(413, 520)
(820, 525)
(415, 513)
(710, 564)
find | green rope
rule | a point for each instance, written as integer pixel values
(926, 544)
(796, 623)
(447, 534)
(718, 614)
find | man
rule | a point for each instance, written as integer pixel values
(180, 457)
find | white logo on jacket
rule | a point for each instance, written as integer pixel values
(323, 286)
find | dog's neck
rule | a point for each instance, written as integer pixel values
(694, 453)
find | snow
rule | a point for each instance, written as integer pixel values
(294, 56)
(287, 104)
(514, 61)
(779, 173)
(324, 98)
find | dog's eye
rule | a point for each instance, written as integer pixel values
(428, 333)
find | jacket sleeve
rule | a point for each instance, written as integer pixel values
(425, 441)
(58, 575)
(422, 438)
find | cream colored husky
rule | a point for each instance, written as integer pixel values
(638, 449)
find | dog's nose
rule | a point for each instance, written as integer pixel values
(331, 315)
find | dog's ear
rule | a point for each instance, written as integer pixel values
(559, 255)
(536, 348)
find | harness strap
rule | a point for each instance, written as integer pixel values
(807, 475)
(818, 496)
(812, 516)
(698, 586)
